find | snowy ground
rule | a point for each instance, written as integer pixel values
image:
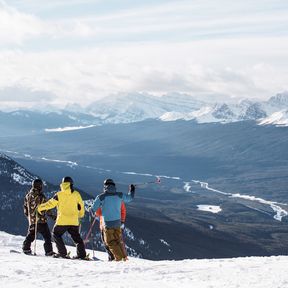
(18, 270)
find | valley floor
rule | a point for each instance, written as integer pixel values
(18, 270)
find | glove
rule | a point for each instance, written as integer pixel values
(37, 212)
(132, 188)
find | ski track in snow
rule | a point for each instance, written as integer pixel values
(279, 211)
(19, 270)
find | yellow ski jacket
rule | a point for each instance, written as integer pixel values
(70, 206)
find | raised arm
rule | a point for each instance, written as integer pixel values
(130, 196)
(50, 204)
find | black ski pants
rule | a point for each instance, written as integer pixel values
(43, 229)
(58, 232)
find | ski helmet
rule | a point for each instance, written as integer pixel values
(67, 179)
(37, 183)
(109, 182)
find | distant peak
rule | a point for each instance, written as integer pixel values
(279, 99)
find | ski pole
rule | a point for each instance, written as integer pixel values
(92, 238)
(89, 232)
(36, 224)
(92, 234)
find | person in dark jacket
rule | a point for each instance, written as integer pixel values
(110, 202)
(32, 199)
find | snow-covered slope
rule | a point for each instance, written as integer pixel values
(279, 101)
(221, 112)
(233, 112)
(18, 270)
(12, 171)
(126, 108)
(278, 118)
(15, 181)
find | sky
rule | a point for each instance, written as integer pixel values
(77, 51)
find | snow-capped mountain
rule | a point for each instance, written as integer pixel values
(126, 108)
(254, 111)
(222, 113)
(279, 119)
(135, 107)
(227, 113)
(279, 101)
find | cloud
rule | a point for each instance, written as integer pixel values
(16, 27)
(166, 21)
(197, 47)
(198, 68)
(22, 94)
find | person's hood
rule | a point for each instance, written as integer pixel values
(66, 187)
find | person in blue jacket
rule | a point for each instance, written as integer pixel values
(110, 202)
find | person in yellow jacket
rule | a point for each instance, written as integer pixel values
(70, 208)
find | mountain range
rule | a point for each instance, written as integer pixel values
(129, 108)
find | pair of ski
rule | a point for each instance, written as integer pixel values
(68, 258)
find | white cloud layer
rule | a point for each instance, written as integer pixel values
(203, 48)
(16, 26)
